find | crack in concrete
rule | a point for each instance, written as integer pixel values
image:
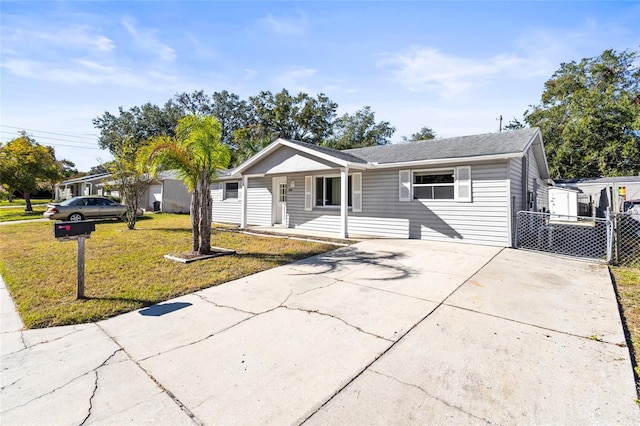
(319, 287)
(314, 311)
(179, 403)
(429, 395)
(400, 338)
(540, 327)
(95, 384)
(204, 298)
(10, 384)
(26, 346)
(65, 384)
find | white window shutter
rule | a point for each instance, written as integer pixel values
(356, 192)
(308, 193)
(240, 190)
(463, 183)
(405, 185)
(219, 192)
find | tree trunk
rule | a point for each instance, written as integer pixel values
(27, 199)
(205, 214)
(195, 219)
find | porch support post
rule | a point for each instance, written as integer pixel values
(243, 214)
(344, 202)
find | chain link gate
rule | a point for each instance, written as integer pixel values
(627, 239)
(575, 236)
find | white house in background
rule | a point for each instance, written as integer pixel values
(465, 189)
(166, 192)
(86, 185)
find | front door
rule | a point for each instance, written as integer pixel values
(279, 192)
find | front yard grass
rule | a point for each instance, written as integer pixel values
(125, 270)
(10, 214)
(627, 282)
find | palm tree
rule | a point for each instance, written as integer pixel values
(196, 154)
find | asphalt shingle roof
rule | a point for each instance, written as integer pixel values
(510, 142)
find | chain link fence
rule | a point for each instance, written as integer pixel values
(626, 248)
(575, 236)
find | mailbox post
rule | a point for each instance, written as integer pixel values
(79, 231)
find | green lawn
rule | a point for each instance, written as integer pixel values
(125, 270)
(10, 214)
(21, 202)
(627, 281)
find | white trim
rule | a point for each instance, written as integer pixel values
(356, 192)
(243, 209)
(404, 185)
(344, 202)
(308, 193)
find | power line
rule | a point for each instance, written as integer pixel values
(50, 133)
(38, 137)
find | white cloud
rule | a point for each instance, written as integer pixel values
(147, 40)
(296, 79)
(285, 26)
(428, 69)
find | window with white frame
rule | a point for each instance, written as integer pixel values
(328, 191)
(434, 184)
(231, 190)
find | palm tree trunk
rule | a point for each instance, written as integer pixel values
(205, 213)
(195, 213)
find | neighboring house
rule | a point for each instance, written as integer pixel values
(467, 189)
(165, 193)
(86, 185)
(604, 192)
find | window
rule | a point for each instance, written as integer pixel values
(434, 185)
(231, 190)
(328, 191)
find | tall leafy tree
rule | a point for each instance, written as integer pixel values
(590, 116)
(426, 133)
(25, 164)
(299, 117)
(360, 130)
(197, 154)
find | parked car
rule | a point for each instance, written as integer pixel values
(86, 207)
(632, 207)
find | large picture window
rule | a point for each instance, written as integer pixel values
(328, 191)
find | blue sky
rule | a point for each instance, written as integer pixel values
(452, 66)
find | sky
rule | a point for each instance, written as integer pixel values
(453, 66)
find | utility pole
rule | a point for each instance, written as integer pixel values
(500, 128)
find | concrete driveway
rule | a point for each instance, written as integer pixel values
(382, 332)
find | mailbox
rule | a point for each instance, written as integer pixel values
(70, 229)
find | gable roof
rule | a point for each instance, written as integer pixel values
(489, 144)
(503, 145)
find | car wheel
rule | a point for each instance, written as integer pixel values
(74, 217)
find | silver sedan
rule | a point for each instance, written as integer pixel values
(86, 207)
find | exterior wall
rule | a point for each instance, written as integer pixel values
(226, 211)
(542, 193)
(604, 195)
(175, 197)
(485, 220)
(259, 205)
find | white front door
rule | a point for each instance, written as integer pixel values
(279, 197)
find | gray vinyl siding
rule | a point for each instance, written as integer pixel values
(482, 221)
(175, 197)
(259, 205)
(225, 211)
(542, 194)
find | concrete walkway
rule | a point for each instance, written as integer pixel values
(381, 332)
